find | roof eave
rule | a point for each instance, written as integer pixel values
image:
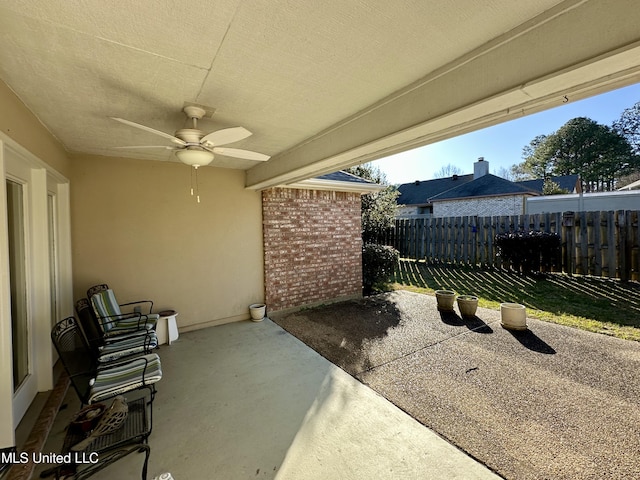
(511, 194)
(336, 186)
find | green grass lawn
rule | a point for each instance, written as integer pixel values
(594, 304)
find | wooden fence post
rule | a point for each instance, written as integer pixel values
(597, 243)
(592, 243)
(634, 231)
(622, 246)
(567, 234)
(611, 245)
(584, 244)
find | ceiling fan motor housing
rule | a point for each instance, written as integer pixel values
(190, 135)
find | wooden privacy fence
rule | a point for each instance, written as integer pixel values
(603, 244)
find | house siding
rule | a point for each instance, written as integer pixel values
(407, 210)
(588, 202)
(312, 247)
(485, 206)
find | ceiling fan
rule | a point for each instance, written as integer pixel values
(195, 148)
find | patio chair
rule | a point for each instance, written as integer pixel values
(107, 349)
(110, 317)
(113, 444)
(94, 382)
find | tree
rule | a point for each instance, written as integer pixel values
(379, 208)
(506, 173)
(628, 125)
(596, 152)
(581, 146)
(448, 171)
(518, 173)
(378, 214)
(537, 162)
(549, 187)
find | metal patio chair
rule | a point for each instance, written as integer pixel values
(129, 437)
(112, 319)
(94, 382)
(116, 346)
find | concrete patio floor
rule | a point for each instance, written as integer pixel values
(249, 400)
(550, 402)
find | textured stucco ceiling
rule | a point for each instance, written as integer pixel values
(289, 71)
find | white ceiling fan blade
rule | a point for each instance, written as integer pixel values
(150, 130)
(226, 135)
(146, 146)
(238, 153)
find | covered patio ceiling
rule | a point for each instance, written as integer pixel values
(322, 85)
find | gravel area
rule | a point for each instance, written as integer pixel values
(551, 402)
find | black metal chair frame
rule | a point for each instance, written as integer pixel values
(77, 359)
(131, 437)
(103, 321)
(95, 337)
(102, 287)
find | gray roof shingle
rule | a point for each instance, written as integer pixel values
(566, 182)
(487, 185)
(423, 192)
(419, 192)
(342, 176)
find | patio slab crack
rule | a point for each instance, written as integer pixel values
(481, 328)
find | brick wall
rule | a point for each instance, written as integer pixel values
(484, 206)
(312, 246)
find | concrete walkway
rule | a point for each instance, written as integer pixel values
(550, 402)
(248, 400)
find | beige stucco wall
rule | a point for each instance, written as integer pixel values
(137, 228)
(27, 149)
(17, 122)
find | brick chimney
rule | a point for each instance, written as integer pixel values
(480, 168)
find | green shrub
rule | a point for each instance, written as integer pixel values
(529, 252)
(378, 263)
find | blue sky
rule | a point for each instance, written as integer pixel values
(501, 145)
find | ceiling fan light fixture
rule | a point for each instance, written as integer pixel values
(194, 157)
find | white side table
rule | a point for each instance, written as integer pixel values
(167, 328)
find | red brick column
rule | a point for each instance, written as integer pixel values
(312, 247)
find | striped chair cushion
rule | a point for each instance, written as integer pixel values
(111, 317)
(124, 346)
(125, 376)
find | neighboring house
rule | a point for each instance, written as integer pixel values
(415, 198)
(485, 196)
(585, 202)
(480, 193)
(632, 186)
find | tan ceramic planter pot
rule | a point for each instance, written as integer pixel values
(468, 305)
(445, 300)
(257, 311)
(514, 316)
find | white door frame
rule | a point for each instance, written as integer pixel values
(18, 164)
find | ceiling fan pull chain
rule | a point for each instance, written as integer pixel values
(191, 169)
(197, 189)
